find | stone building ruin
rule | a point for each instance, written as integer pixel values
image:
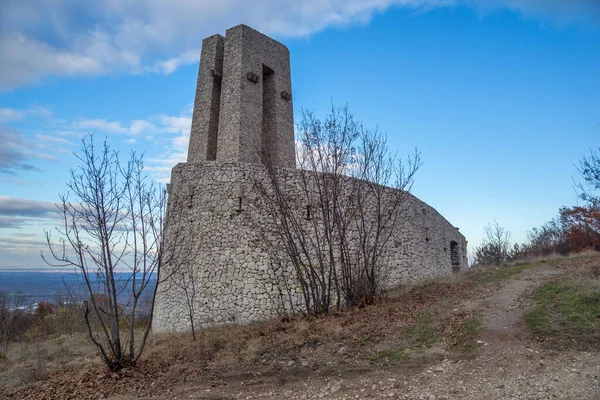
(244, 104)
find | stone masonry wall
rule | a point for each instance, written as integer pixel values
(237, 283)
(205, 121)
(243, 101)
(254, 114)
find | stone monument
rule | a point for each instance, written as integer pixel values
(242, 111)
(243, 100)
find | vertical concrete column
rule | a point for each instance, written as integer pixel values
(256, 112)
(205, 119)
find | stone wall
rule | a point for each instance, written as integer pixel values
(226, 219)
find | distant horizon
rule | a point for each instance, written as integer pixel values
(48, 285)
(34, 269)
(50, 269)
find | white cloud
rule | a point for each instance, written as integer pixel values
(46, 156)
(26, 59)
(52, 139)
(39, 111)
(77, 38)
(101, 125)
(11, 114)
(181, 124)
(171, 132)
(15, 153)
(17, 207)
(22, 246)
(140, 126)
(153, 125)
(167, 67)
(176, 150)
(20, 150)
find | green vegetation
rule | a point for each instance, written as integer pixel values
(412, 327)
(483, 275)
(567, 312)
(422, 334)
(390, 357)
(466, 341)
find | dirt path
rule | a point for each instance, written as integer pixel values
(504, 310)
(510, 364)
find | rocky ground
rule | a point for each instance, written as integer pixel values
(505, 361)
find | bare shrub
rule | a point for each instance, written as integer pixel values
(551, 237)
(11, 321)
(112, 234)
(495, 249)
(338, 216)
(589, 169)
(186, 279)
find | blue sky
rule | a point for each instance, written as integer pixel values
(500, 96)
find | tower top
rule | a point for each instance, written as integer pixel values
(243, 108)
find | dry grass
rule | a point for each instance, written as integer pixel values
(487, 274)
(402, 326)
(567, 310)
(28, 362)
(406, 328)
(556, 258)
(408, 320)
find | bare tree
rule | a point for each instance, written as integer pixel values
(376, 211)
(186, 279)
(9, 311)
(6, 324)
(551, 237)
(112, 228)
(496, 247)
(589, 169)
(336, 214)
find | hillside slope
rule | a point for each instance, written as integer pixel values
(464, 337)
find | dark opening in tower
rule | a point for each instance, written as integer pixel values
(213, 121)
(454, 256)
(269, 127)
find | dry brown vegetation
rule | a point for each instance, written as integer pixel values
(407, 330)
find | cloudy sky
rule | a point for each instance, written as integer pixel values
(500, 96)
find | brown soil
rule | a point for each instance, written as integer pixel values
(351, 355)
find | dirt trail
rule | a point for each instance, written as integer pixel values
(510, 364)
(504, 311)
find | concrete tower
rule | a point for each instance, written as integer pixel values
(243, 108)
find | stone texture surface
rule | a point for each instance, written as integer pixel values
(237, 283)
(235, 119)
(243, 116)
(205, 119)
